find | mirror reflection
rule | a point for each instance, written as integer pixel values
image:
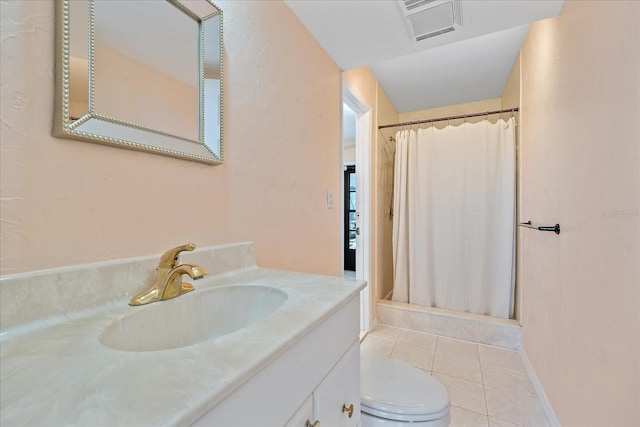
(144, 75)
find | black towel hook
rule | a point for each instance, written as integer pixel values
(554, 228)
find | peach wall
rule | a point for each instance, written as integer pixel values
(455, 110)
(581, 168)
(285, 105)
(511, 94)
(66, 202)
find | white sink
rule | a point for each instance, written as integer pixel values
(192, 318)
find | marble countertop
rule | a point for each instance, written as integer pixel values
(62, 375)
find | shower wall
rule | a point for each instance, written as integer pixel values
(385, 158)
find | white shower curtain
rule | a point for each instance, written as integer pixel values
(454, 213)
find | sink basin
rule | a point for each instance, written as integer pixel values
(192, 318)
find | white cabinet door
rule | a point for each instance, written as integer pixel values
(339, 393)
(304, 414)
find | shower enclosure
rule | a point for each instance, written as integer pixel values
(454, 217)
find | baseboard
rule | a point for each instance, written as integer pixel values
(544, 401)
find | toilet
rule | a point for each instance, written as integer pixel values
(393, 393)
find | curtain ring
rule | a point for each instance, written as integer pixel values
(512, 113)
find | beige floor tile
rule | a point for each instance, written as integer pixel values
(461, 417)
(417, 357)
(376, 346)
(454, 365)
(385, 332)
(494, 422)
(462, 348)
(499, 357)
(510, 380)
(417, 339)
(464, 394)
(515, 408)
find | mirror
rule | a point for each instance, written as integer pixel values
(139, 74)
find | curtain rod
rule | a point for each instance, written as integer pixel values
(440, 119)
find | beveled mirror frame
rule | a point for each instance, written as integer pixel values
(173, 145)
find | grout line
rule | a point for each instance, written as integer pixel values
(500, 419)
(471, 410)
(395, 341)
(435, 349)
(484, 390)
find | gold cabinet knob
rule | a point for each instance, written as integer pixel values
(349, 409)
(315, 424)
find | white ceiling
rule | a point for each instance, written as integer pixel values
(469, 64)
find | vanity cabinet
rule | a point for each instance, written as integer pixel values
(310, 380)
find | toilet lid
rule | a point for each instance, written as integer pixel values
(394, 390)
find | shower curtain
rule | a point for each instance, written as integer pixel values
(454, 217)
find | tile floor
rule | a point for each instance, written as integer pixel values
(487, 386)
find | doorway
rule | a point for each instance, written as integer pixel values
(351, 229)
(359, 222)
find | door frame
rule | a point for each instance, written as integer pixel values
(364, 114)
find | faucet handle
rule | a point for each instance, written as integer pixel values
(170, 258)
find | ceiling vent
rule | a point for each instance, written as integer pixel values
(430, 18)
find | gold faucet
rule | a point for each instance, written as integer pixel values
(168, 283)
